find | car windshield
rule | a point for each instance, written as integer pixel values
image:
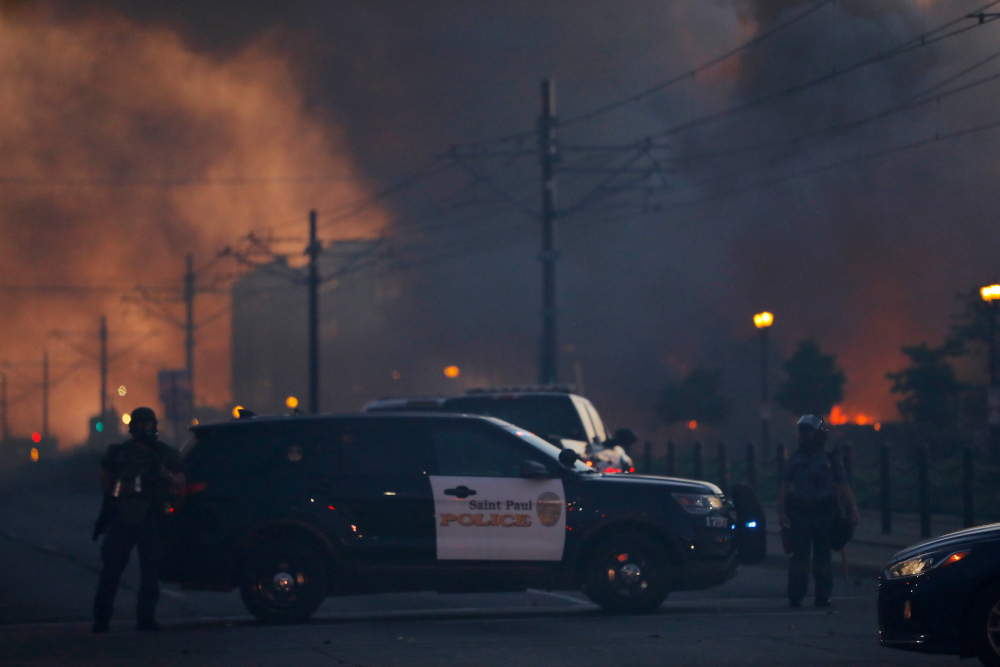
(545, 447)
(544, 415)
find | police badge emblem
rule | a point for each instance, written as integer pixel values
(549, 508)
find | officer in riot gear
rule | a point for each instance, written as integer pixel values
(137, 477)
(814, 490)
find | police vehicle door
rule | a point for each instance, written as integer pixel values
(380, 486)
(484, 509)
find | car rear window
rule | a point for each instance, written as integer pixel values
(542, 415)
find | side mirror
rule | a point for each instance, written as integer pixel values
(534, 470)
(554, 440)
(568, 457)
(625, 438)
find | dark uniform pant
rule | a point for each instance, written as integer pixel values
(115, 551)
(810, 525)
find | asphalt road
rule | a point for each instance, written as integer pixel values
(50, 566)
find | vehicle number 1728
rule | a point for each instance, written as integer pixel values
(716, 521)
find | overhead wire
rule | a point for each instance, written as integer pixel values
(693, 72)
(904, 47)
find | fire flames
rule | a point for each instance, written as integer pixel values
(839, 417)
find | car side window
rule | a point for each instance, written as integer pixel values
(309, 443)
(393, 447)
(602, 434)
(232, 453)
(581, 409)
(475, 450)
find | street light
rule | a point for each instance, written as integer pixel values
(990, 294)
(763, 321)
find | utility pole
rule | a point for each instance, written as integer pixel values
(313, 250)
(765, 409)
(189, 330)
(4, 425)
(993, 393)
(548, 370)
(763, 322)
(104, 364)
(45, 394)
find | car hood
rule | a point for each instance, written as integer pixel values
(673, 484)
(967, 536)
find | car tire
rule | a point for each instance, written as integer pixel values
(283, 582)
(985, 623)
(628, 573)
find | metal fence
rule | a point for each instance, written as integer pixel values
(887, 477)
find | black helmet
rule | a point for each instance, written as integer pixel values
(142, 415)
(811, 422)
(812, 432)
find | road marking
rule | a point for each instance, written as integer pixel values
(560, 596)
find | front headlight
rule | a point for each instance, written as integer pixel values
(698, 503)
(912, 567)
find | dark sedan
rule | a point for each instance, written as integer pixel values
(943, 596)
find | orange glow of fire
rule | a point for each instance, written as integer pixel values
(838, 418)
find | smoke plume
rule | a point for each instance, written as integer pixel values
(123, 150)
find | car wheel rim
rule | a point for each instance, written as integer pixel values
(993, 628)
(281, 584)
(628, 574)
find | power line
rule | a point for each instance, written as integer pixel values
(923, 98)
(40, 181)
(693, 72)
(907, 46)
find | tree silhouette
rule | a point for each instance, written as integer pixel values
(696, 397)
(931, 392)
(815, 384)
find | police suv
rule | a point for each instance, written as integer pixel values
(553, 412)
(293, 509)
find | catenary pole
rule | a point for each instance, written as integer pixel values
(548, 369)
(103, 334)
(45, 394)
(313, 250)
(4, 424)
(189, 331)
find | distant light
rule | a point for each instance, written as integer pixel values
(122, 390)
(236, 411)
(194, 422)
(34, 454)
(36, 437)
(126, 418)
(396, 375)
(99, 426)
(751, 524)
(452, 371)
(292, 402)
(692, 424)
(878, 426)
(763, 320)
(990, 292)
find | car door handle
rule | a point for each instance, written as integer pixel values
(460, 492)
